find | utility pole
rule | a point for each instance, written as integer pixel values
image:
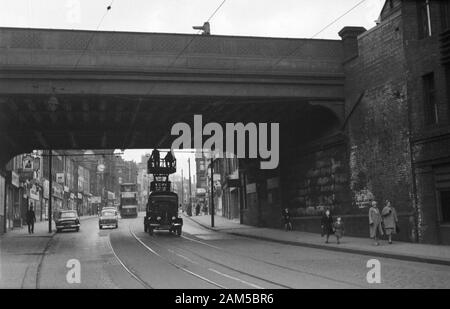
(50, 194)
(212, 192)
(182, 189)
(190, 189)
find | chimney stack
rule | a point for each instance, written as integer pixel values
(349, 37)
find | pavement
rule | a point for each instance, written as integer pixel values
(21, 254)
(433, 254)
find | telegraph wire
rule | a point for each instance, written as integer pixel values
(338, 18)
(108, 8)
(301, 45)
(321, 30)
(171, 64)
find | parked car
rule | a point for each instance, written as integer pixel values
(67, 220)
(109, 217)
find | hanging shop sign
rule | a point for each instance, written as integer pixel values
(201, 191)
(60, 178)
(80, 196)
(57, 191)
(34, 193)
(15, 179)
(28, 163)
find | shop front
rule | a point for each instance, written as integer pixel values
(13, 199)
(58, 195)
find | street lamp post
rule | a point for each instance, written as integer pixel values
(190, 188)
(50, 194)
(212, 192)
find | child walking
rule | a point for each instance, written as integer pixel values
(338, 228)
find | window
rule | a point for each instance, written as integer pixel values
(445, 14)
(431, 108)
(424, 18)
(445, 206)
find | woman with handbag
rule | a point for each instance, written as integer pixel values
(375, 223)
(390, 220)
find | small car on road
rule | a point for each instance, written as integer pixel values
(109, 217)
(67, 220)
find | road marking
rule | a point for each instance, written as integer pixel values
(235, 278)
(176, 265)
(182, 256)
(186, 258)
(201, 242)
(198, 276)
(145, 284)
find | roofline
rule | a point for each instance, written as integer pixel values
(169, 33)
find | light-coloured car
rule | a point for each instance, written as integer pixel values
(67, 219)
(109, 217)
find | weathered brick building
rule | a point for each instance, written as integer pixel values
(394, 143)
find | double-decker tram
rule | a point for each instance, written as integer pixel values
(162, 205)
(128, 200)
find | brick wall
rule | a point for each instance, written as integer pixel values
(377, 125)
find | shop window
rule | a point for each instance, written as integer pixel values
(445, 206)
(424, 18)
(429, 92)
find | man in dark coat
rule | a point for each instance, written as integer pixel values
(197, 210)
(286, 219)
(327, 224)
(31, 218)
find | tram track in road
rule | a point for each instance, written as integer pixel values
(250, 284)
(303, 272)
(179, 267)
(229, 268)
(127, 269)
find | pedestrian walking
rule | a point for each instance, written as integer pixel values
(327, 224)
(338, 228)
(390, 220)
(375, 223)
(197, 210)
(31, 219)
(286, 219)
